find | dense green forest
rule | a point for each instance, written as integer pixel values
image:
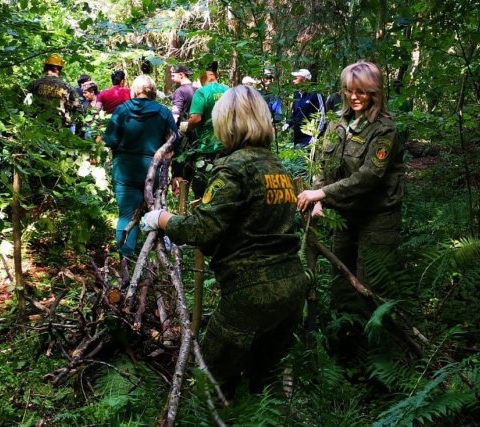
(70, 357)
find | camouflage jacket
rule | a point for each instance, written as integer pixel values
(51, 92)
(361, 167)
(245, 219)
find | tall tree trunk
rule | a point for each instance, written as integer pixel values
(468, 54)
(17, 241)
(234, 75)
(173, 47)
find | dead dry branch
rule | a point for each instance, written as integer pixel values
(114, 310)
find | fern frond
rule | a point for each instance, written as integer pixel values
(129, 391)
(404, 412)
(386, 276)
(394, 375)
(374, 326)
(466, 251)
(453, 256)
(443, 405)
(415, 243)
(434, 400)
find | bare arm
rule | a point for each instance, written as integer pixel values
(193, 121)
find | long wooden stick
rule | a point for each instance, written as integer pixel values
(363, 290)
(313, 248)
(199, 277)
(162, 153)
(199, 274)
(167, 419)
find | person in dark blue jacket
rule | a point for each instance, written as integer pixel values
(305, 105)
(136, 130)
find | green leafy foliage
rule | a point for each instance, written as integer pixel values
(22, 366)
(123, 396)
(430, 47)
(435, 400)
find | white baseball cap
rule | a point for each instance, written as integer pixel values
(303, 72)
(247, 80)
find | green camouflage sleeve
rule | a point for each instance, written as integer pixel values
(209, 221)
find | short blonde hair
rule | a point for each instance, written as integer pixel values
(143, 84)
(241, 118)
(365, 76)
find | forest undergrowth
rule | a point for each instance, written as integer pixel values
(80, 356)
(126, 380)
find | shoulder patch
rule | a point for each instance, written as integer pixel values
(381, 155)
(211, 190)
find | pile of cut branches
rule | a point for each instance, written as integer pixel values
(144, 312)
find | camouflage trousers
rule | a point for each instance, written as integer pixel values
(252, 329)
(366, 237)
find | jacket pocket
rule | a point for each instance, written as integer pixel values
(329, 149)
(355, 149)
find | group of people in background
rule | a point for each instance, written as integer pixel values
(52, 93)
(245, 219)
(108, 99)
(306, 104)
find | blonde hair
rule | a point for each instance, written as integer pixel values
(241, 118)
(143, 84)
(365, 76)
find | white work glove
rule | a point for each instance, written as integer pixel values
(183, 127)
(285, 127)
(149, 221)
(28, 99)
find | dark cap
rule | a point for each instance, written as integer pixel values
(83, 78)
(213, 66)
(181, 69)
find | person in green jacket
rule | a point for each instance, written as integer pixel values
(200, 131)
(245, 223)
(360, 176)
(136, 130)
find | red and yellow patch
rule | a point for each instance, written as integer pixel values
(382, 153)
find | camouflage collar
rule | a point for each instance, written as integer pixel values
(357, 125)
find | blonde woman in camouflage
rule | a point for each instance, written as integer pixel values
(245, 223)
(360, 176)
